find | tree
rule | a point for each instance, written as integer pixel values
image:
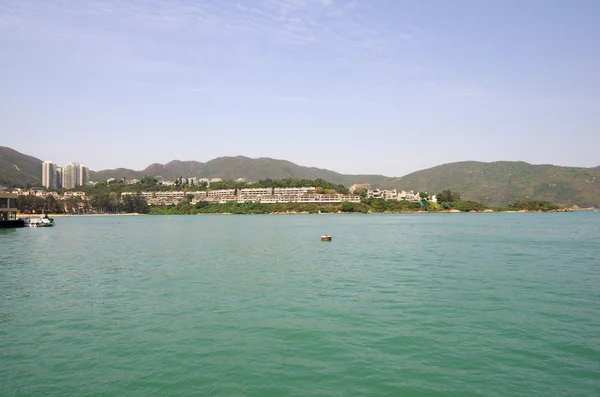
(347, 207)
(379, 205)
(51, 205)
(135, 204)
(447, 196)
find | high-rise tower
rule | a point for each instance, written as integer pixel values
(70, 176)
(49, 180)
(83, 176)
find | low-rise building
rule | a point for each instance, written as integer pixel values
(226, 199)
(221, 192)
(171, 195)
(351, 198)
(71, 194)
(293, 190)
(8, 207)
(256, 191)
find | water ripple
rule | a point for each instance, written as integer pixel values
(449, 305)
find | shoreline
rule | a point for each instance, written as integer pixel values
(489, 211)
(76, 215)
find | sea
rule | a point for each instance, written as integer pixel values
(487, 304)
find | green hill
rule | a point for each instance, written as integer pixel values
(19, 169)
(505, 182)
(239, 167)
(496, 183)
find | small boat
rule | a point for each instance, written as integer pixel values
(42, 221)
(326, 238)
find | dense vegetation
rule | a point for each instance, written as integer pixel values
(73, 205)
(532, 205)
(105, 198)
(33, 204)
(234, 207)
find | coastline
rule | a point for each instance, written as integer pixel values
(76, 215)
(453, 211)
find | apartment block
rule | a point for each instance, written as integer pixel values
(257, 191)
(51, 175)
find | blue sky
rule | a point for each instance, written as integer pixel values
(379, 86)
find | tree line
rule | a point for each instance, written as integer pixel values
(105, 197)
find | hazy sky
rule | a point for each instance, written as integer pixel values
(371, 86)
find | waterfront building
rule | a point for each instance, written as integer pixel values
(8, 209)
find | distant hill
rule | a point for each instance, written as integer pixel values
(18, 168)
(504, 182)
(494, 183)
(238, 167)
(169, 171)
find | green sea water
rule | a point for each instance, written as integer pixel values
(396, 305)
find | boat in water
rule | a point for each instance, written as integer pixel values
(326, 238)
(42, 221)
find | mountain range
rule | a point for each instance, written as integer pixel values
(493, 183)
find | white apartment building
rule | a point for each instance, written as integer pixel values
(84, 175)
(293, 190)
(74, 194)
(394, 195)
(70, 176)
(351, 198)
(256, 191)
(228, 198)
(221, 192)
(171, 195)
(249, 199)
(49, 175)
(74, 175)
(146, 195)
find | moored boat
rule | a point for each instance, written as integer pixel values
(42, 221)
